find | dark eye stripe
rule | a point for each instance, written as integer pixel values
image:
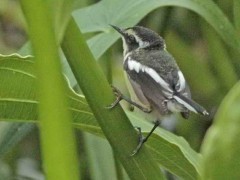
(132, 39)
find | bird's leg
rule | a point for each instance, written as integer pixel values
(143, 139)
(120, 97)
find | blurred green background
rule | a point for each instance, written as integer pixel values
(209, 65)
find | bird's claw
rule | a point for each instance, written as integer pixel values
(146, 110)
(118, 95)
(141, 141)
(116, 91)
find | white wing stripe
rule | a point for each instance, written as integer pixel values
(133, 65)
(181, 81)
(185, 104)
(136, 66)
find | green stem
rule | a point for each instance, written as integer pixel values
(118, 167)
(236, 15)
(57, 137)
(106, 64)
(114, 123)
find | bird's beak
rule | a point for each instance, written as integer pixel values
(121, 31)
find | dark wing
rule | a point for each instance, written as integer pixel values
(150, 89)
(160, 79)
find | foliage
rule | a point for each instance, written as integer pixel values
(211, 76)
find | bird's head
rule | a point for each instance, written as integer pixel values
(139, 37)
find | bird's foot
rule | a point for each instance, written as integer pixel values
(119, 97)
(141, 141)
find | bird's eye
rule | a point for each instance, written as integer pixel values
(131, 39)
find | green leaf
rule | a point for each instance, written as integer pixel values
(18, 103)
(96, 18)
(220, 60)
(220, 148)
(170, 151)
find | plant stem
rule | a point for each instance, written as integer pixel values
(57, 137)
(114, 123)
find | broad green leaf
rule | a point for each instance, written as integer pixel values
(171, 151)
(26, 50)
(96, 18)
(221, 148)
(18, 103)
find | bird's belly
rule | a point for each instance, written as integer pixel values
(138, 96)
(155, 103)
(173, 106)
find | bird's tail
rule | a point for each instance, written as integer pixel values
(190, 104)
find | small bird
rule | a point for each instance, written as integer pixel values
(154, 76)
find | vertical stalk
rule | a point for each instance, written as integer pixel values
(57, 137)
(236, 15)
(114, 123)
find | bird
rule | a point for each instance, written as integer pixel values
(156, 79)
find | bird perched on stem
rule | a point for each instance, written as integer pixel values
(155, 77)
